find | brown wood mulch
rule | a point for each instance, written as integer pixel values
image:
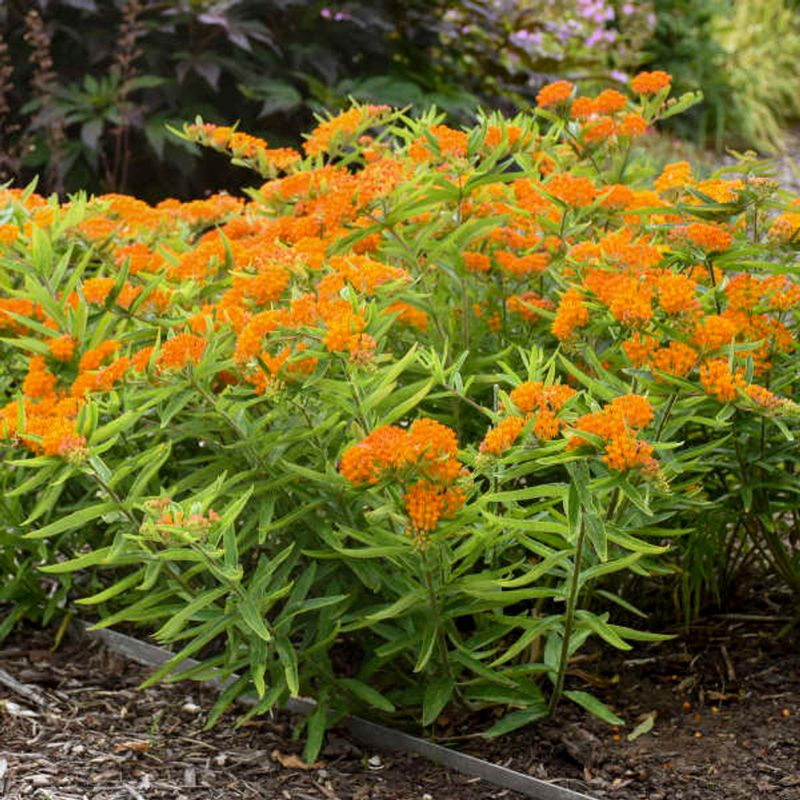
(724, 702)
(90, 734)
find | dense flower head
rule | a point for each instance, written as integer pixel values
(676, 175)
(719, 380)
(427, 447)
(426, 503)
(449, 143)
(708, 236)
(62, 348)
(650, 82)
(499, 438)
(572, 314)
(342, 127)
(180, 350)
(554, 93)
(617, 425)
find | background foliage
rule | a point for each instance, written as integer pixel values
(88, 108)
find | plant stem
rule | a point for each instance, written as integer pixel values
(441, 641)
(569, 620)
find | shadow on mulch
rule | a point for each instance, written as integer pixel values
(724, 703)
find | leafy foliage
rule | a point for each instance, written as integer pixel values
(381, 432)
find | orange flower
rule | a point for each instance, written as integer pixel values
(572, 313)
(526, 303)
(633, 125)
(180, 350)
(599, 129)
(427, 503)
(638, 348)
(449, 142)
(610, 101)
(676, 359)
(476, 262)
(764, 397)
(583, 108)
(39, 382)
(62, 348)
(554, 93)
(409, 315)
(428, 449)
(718, 380)
(96, 290)
(708, 236)
(574, 191)
(502, 436)
(521, 266)
(529, 397)
(677, 293)
(650, 82)
(342, 128)
(617, 425)
(674, 176)
(714, 332)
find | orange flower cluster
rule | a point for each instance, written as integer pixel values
(180, 350)
(423, 458)
(538, 403)
(554, 93)
(241, 145)
(343, 128)
(718, 380)
(617, 425)
(572, 313)
(450, 143)
(650, 82)
(326, 270)
(708, 236)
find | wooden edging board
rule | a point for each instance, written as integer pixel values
(367, 732)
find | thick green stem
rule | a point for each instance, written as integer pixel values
(438, 621)
(569, 619)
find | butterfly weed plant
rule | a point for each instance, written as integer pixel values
(391, 431)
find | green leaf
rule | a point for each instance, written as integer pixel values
(594, 706)
(225, 700)
(112, 591)
(288, 659)
(536, 630)
(316, 725)
(248, 610)
(602, 629)
(437, 695)
(178, 622)
(645, 726)
(366, 693)
(517, 719)
(71, 521)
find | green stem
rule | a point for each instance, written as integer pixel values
(436, 611)
(666, 415)
(569, 620)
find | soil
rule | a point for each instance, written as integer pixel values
(725, 704)
(96, 736)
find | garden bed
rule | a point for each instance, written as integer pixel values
(727, 725)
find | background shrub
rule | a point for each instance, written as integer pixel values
(88, 108)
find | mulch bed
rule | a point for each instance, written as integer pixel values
(99, 738)
(725, 704)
